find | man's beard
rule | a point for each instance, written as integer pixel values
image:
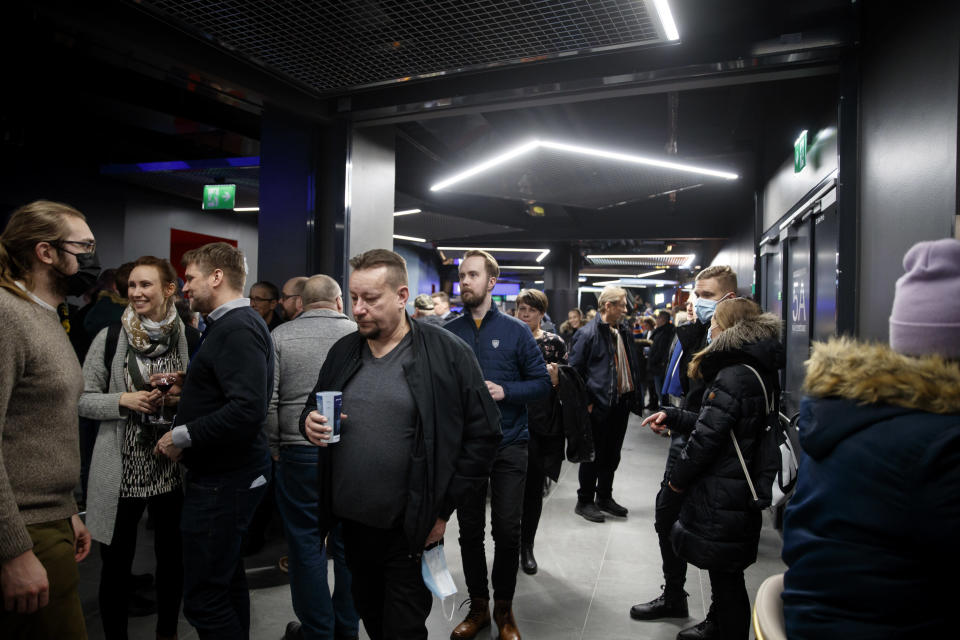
(470, 299)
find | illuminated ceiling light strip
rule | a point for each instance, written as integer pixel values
(653, 162)
(406, 212)
(410, 238)
(666, 19)
(483, 166)
(244, 209)
(624, 275)
(664, 257)
(543, 252)
(559, 146)
(516, 267)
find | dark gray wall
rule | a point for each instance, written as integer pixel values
(738, 252)
(908, 143)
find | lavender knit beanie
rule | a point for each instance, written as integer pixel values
(925, 319)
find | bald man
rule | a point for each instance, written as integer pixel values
(301, 347)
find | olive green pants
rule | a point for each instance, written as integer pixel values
(53, 544)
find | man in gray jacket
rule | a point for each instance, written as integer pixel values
(301, 347)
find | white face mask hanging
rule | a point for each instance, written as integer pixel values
(437, 578)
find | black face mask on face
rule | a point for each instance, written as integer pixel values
(86, 276)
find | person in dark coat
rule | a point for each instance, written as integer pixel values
(870, 535)
(603, 354)
(713, 284)
(660, 351)
(545, 448)
(719, 527)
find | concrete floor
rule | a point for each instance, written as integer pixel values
(590, 574)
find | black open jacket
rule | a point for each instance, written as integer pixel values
(457, 432)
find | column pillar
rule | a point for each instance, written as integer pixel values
(560, 280)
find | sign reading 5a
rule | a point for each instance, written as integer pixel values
(219, 196)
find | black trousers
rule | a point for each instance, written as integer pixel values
(730, 604)
(532, 494)
(667, 511)
(507, 480)
(388, 589)
(609, 426)
(117, 560)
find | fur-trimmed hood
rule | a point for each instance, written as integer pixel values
(756, 340)
(876, 374)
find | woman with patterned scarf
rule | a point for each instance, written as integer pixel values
(125, 475)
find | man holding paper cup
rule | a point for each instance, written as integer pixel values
(418, 432)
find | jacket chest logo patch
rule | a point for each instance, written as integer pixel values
(495, 343)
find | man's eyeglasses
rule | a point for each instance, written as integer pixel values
(88, 247)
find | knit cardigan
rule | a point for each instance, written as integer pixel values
(101, 401)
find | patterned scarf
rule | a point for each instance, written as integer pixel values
(150, 338)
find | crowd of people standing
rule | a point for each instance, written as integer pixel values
(436, 411)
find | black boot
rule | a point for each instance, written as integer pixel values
(527, 562)
(589, 511)
(706, 630)
(670, 604)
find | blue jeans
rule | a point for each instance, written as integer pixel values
(297, 496)
(216, 513)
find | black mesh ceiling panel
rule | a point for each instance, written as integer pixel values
(640, 260)
(559, 177)
(341, 44)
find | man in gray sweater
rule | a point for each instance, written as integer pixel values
(301, 347)
(46, 252)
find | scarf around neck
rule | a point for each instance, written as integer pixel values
(148, 337)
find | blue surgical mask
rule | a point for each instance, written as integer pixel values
(436, 576)
(704, 310)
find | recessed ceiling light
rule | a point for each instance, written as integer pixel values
(245, 209)
(516, 267)
(543, 252)
(666, 19)
(406, 212)
(623, 275)
(410, 238)
(687, 257)
(577, 149)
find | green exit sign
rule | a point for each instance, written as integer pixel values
(800, 152)
(219, 196)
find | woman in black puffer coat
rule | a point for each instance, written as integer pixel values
(719, 527)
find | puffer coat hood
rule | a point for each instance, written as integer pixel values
(872, 528)
(718, 527)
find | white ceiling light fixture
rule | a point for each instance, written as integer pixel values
(519, 267)
(245, 209)
(624, 275)
(577, 149)
(406, 212)
(687, 258)
(543, 252)
(666, 19)
(410, 238)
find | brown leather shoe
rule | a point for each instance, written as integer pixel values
(503, 616)
(477, 619)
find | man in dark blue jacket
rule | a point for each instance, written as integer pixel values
(515, 374)
(219, 435)
(603, 354)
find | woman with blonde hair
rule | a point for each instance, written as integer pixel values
(719, 526)
(126, 392)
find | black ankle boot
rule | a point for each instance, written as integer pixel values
(706, 630)
(527, 562)
(670, 604)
